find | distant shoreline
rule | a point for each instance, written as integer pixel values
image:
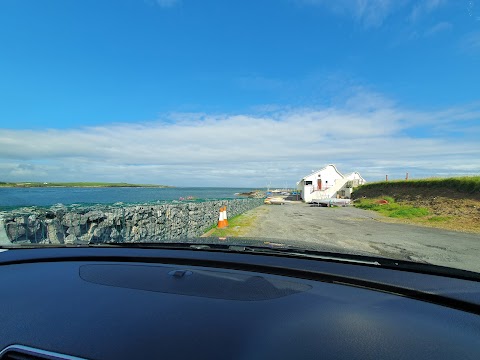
(78, 185)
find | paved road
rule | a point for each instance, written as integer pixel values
(355, 229)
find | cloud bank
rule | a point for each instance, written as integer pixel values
(367, 133)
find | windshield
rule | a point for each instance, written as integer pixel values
(341, 126)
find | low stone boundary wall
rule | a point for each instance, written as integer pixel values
(110, 224)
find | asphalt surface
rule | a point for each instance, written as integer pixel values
(351, 229)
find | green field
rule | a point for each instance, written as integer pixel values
(391, 208)
(447, 203)
(76, 184)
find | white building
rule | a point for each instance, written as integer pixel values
(328, 183)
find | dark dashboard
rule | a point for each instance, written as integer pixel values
(121, 303)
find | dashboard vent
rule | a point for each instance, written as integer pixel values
(20, 352)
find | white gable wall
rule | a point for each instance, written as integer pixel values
(356, 176)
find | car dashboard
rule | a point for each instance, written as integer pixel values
(121, 303)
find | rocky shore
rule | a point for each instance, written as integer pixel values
(256, 194)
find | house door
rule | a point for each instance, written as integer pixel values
(319, 184)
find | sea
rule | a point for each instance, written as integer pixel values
(22, 197)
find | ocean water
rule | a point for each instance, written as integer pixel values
(18, 197)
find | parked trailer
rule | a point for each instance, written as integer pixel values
(330, 202)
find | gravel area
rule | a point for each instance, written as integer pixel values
(352, 229)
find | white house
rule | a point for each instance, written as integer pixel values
(354, 179)
(328, 183)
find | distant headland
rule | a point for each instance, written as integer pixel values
(78, 185)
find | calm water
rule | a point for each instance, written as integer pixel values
(14, 197)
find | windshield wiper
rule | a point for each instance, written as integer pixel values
(269, 248)
(279, 249)
(293, 251)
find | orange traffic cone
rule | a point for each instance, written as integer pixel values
(225, 215)
(222, 218)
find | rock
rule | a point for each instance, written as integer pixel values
(4, 239)
(85, 238)
(74, 230)
(95, 215)
(71, 239)
(59, 210)
(71, 219)
(15, 231)
(54, 235)
(115, 234)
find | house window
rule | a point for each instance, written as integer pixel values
(308, 183)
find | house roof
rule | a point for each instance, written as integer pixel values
(355, 172)
(316, 172)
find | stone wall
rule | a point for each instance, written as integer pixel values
(106, 224)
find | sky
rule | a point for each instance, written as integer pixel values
(238, 93)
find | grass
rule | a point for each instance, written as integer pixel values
(407, 212)
(445, 203)
(468, 184)
(75, 184)
(372, 204)
(392, 209)
(237, 225)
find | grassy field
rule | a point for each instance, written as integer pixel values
(75, 184)
(448, 203)
(388, 207)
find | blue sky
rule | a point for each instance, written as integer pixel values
(236, 93)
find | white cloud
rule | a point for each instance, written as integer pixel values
(368, 133)
(425, 7)
(440, 27)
